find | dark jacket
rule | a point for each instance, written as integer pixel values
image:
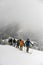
(17, 42)
(10, 41)
(14, 41)
(27, 43)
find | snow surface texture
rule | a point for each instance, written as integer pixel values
(10, 55)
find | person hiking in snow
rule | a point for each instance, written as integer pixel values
(17, 45)
(21, 43)
(14, 42)
(27, 44)
(10, 41)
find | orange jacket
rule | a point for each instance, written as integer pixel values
(21, 43)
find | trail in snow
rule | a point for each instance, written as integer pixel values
(13, 56)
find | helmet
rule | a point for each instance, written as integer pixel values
(27, 39)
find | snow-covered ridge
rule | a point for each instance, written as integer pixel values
(36, 45)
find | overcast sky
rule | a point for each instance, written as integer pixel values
(28, 12)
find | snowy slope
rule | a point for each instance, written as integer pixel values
(12, 56)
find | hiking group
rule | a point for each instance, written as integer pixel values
(20, 43)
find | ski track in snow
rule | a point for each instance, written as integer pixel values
(10, 55)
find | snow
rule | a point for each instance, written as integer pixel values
(10, 55)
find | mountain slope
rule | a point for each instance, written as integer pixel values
(12, 56)
(9, 30)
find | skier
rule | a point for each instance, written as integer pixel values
(10, 41)
(27, 44)
(14, 42)
(17, 45)
(21, 43)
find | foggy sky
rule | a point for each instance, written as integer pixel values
(29, 13)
